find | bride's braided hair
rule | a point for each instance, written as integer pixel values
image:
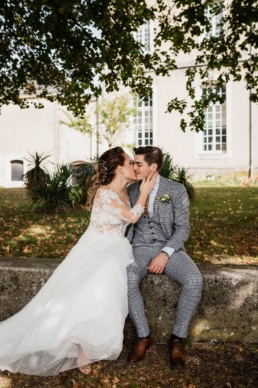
(108, 163)
(106, 166)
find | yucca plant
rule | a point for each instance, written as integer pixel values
(50, 192)
(58, 193)
(36, 178)
(178, 174)
(182, 176)
(168, 168)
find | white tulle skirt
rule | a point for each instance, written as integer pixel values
(77, 317)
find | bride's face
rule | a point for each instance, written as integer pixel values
(128, 169)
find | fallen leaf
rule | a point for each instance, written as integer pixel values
(75, 384)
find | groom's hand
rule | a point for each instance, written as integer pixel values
(158, 263)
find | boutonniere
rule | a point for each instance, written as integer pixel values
(165, 198)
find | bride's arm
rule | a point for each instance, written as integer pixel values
(125, 212)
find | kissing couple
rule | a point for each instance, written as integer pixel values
(78, 316)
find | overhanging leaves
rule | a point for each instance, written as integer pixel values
(68, 51)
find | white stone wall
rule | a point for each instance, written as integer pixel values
(186, 147)
(42, 130)
(24, 131)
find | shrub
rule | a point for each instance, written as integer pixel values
(168, 169)
(58, 193)
(178, 174)
(35, 179)
(82, 176)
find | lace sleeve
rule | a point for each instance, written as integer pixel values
(114, 205)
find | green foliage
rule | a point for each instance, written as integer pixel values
(114, 116)
(82, 176)
(171, 171)
(70, 51)
(35, 179)
(183, 177)
(49, 192)
(81, 123)
(230, 52)
(168, 169)
(66, 50)
(58, 193)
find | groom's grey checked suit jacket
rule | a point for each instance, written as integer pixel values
(168, 226)
(171, 219)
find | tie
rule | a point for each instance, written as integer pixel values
(146, 210)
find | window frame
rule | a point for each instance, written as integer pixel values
(144, 35)
(215, 21)
(218, 115)
(143, 119)
(14, 174)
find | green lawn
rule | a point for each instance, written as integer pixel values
(28, 234)
(223, 223)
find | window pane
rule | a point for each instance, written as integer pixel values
(17, 170)
(215, 124)
(143, 36)
(143, 124)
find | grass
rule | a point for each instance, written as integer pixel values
(29, 234)
(223, 221)
(223, 226)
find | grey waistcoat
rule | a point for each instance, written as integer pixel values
(148, 231)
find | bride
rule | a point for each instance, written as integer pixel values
(78, 315)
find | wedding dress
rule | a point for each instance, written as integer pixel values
(78, 315)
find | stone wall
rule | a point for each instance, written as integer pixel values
(228, 310)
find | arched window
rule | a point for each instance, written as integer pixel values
(16, 170)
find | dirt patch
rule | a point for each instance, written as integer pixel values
(212, 365)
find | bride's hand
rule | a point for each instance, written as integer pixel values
(148, 183)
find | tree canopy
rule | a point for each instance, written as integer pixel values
(69, 50)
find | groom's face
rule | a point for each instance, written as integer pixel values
(142, 168)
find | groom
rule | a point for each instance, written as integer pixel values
(158, 245)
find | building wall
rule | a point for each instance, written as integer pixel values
(43, 130)
(24, 131)
(186, 147)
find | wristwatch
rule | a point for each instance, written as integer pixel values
(165, 253)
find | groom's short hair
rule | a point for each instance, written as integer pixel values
(151, 155)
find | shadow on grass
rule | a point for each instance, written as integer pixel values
(223, 226)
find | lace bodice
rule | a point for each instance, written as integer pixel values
(110, 214)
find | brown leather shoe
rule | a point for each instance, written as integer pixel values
(176, 352)
(139, 350)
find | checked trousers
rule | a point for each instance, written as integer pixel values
(180, 268)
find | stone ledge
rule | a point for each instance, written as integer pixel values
(228, 310)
